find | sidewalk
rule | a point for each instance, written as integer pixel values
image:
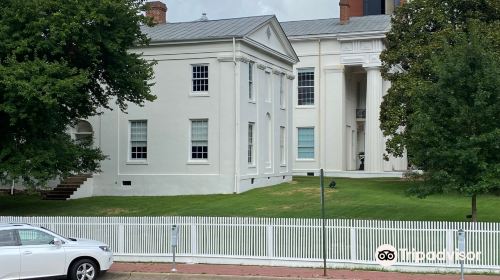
(263, 272)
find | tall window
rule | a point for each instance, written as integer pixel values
(250, 81)
(306, 143)
(282, 92)
(282, 145)
(306, 86)
(139, 140)
(251, 148)
(200, 78)
(199, 139)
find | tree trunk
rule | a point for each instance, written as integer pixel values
(474, 208)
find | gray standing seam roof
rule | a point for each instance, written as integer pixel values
(333, 26)
(240, 27)
(205, 30)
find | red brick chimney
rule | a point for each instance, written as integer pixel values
(345, 11)
(158, 11)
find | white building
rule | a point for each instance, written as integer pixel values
(337, 97)
(222, 119)
(233, 112)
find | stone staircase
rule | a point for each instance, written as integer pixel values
(66, 188)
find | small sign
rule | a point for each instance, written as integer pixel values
(461, 240)
(174, 235)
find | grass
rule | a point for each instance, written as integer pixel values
(382, 199)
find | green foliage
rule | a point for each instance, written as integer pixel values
(61, 61)
(443, 59)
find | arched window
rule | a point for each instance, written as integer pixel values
(83, 132)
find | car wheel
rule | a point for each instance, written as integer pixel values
(83, 269)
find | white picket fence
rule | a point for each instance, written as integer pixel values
(269, 241)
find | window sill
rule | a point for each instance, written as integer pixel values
(305, 159)
(282, 108)
(305, 107)
(136, 162)
(198, 162)
(252, 101)
(252, 166)
(282, 165)
(199, 94)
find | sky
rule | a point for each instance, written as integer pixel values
(285, 10)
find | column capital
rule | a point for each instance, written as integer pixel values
(374, 66)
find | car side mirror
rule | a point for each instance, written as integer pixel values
(57, 242)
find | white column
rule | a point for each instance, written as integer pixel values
(374, 140)
(333, 123)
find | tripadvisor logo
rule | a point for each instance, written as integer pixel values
(386, 255)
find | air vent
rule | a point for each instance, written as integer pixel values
(126, 183)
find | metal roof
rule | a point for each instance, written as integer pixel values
(205, 30)
(333, 26)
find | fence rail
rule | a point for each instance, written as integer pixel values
(268, 239)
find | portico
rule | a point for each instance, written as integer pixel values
(348, 91)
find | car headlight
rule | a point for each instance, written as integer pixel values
(105, 248)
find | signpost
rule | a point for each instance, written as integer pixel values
(322, 185)
(461, 249)
(174, 236)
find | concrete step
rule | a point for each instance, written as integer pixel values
(66, 188)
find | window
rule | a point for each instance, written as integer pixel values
(139, 140)
(373, 7)
(199, 139)
(34, 237)
(282, 145)
(250, 81)
(8, 238)
(251, 149)
(83, 132)
(306, 86)
(282, 93)
(306, 143)
(200, 78)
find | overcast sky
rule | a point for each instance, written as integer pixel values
(285, 10)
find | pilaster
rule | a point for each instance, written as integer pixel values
(333, 119)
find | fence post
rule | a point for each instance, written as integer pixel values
(121, 238)
(194, 239)
(354, 244)
(270, 241)
(449, 246)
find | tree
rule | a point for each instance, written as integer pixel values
(62, 61)
(443, 60)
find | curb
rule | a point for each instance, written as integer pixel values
(185, 276)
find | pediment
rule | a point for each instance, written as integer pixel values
(272, 36)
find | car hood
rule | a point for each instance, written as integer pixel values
(85, 242)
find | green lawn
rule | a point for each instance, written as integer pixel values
(383, 199)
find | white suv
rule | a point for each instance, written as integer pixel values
(32, 252)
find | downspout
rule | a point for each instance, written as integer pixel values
(321, 130)
(237, 124)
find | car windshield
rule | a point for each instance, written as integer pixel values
(57, 234)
